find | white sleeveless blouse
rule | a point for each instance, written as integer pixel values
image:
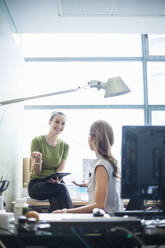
(113, 201)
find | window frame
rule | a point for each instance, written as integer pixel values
(144, 59)
(146, 107)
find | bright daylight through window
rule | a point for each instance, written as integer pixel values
(52, 64)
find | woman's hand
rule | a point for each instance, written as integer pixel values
(74, 182)
(37, 156)
(52, 180)
(37, 162)
(60, 211)
(84, 184)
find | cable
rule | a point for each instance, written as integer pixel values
(2, 244)
(129, 232)
(13, 236)
(80, 238)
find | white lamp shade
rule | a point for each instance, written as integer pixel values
(115, 86)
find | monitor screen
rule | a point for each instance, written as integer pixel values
(143, 158)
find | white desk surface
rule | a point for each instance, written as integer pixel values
(49, 217)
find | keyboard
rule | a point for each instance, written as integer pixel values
(142, 213)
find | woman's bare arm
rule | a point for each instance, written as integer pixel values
(100, 193)
(84, 184)
(101, 186)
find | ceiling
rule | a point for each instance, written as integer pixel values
(49, 16)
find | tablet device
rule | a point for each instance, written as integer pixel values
(57, 174)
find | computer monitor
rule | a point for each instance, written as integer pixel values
(143, 162)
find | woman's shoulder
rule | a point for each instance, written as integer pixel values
(60, 141)
(100, 160)
(103, 162)
(38, 138)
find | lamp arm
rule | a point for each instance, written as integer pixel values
(113, 87)
(38, 96)
(96, 84)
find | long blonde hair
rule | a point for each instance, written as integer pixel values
(102, 134)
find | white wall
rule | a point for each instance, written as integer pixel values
(11, 116)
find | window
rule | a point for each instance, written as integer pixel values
(48, 77)
(156, 82)
(158, 117)
(157, 44)
(80, 45)
(56, 62)
(77, 129)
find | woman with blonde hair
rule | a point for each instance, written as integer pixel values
(104, 183)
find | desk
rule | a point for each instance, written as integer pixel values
(67, 241)
(86, 223)
(43, 206)
(108, 232)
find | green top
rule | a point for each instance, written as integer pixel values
(51, 155)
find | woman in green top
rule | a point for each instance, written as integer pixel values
(49, 155)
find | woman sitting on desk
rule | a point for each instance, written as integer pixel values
(104, 183)
(49, 155)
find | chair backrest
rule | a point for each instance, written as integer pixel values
(27, 168)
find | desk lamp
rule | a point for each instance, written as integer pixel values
(113, 87)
